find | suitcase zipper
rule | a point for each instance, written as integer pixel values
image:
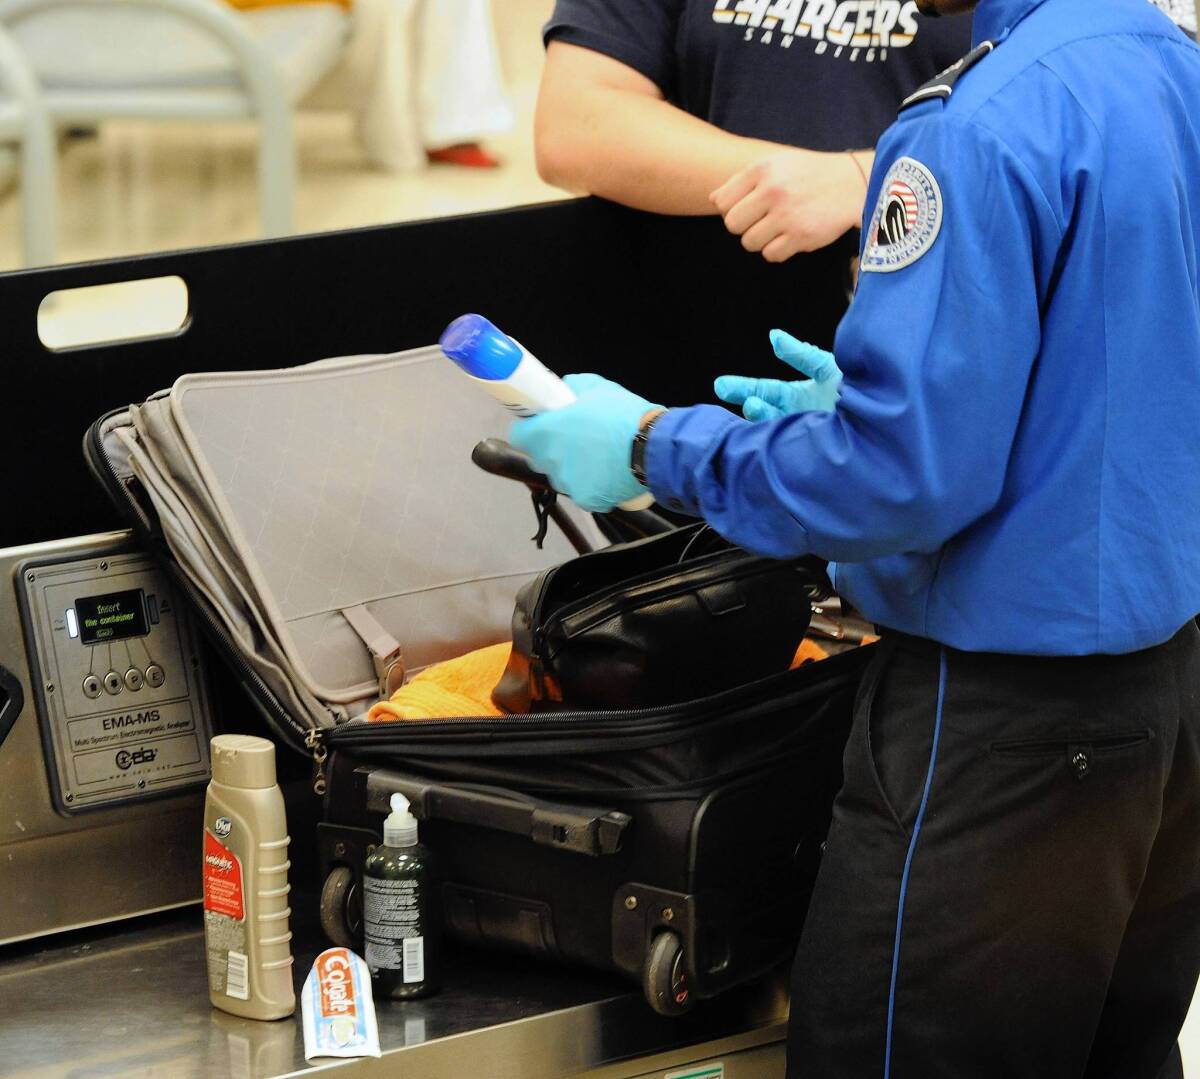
(320, 754)
(579, 617)
(665, 718)
(362, 731)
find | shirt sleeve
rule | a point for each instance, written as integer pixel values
(937, 352)
(638, 33)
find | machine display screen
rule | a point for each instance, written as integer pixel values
(112, 617)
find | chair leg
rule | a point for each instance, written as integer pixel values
(276, 171)
(39, 192)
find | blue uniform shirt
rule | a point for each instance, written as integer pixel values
(1014, 464)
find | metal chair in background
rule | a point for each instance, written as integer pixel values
(195, 60)
(26, 129)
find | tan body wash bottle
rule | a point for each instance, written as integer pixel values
(246, 910)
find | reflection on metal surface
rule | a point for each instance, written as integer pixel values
(135, 1002)
(250, 1048)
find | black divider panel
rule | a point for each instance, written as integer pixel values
(662, 304)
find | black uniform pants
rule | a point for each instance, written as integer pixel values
(1011, 884)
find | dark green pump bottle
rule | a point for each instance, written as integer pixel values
(401, 916)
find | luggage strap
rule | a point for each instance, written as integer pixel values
(386, 653)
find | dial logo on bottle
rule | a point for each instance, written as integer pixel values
(222, 826)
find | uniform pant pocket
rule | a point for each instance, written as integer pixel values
(898, 724)
(1079, 754)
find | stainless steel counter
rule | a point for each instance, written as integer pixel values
(131, 1000)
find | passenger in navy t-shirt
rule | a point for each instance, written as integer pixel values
(699, 106)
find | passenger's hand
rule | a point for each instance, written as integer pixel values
(585, 447)
(770, 398)
(797, 200)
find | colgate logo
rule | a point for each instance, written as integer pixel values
(334, 970)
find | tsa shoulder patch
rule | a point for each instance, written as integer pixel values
(907, 219)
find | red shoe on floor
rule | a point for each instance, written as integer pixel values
(470, 154)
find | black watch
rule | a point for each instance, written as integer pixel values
(637, 455)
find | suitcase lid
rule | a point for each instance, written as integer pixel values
(332, 518)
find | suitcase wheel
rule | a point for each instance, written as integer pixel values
(663, 980)
(341, 908)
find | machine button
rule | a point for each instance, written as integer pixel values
(91, 687)
(113, 683)
(155, 676)
(134, 679)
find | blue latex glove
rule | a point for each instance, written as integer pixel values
(584, 448)
(770, 398)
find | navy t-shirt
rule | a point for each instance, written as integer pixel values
(823, 74)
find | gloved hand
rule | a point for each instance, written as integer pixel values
(770, 398)
(585, 447)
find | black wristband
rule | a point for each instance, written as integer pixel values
(637, 455)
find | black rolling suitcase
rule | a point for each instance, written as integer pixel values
(314, 518)
(677, 845)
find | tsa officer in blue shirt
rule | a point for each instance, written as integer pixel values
(1003, 463)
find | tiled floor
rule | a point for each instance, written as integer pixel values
(140, 187)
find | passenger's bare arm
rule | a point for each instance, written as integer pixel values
(603, 128)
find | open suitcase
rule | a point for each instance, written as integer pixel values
(677, 845)
(296, 511)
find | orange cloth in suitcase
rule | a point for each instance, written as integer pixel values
(462, 687)
(808, 652)
(451, 690)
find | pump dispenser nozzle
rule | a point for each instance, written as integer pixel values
(400, 827)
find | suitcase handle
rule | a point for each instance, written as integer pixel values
(583, 829)
(496, 456)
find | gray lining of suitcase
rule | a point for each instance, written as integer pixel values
(290, 496)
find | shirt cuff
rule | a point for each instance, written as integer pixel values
(679, 443)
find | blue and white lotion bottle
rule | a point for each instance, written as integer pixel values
(515, 377)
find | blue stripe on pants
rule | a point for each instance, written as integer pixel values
(912, 846)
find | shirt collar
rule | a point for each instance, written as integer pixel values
(994, 19)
